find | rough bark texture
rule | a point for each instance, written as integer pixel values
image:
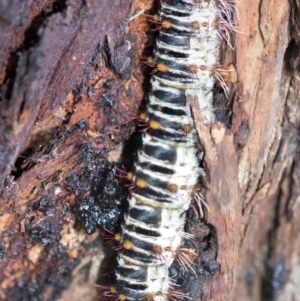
(71, 84)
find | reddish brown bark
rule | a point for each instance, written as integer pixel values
(62, 108)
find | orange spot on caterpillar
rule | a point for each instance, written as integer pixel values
(168, 249)
(139, 120)
(149, 125)
(155, 17)
(154, 125)
(162, 67)
(122, 297)
(129, 176)
(143, 116)
(187, 128)
(111, 237)
(113, 290)
(118, 237)
(192, 69)
(152, 18)
(127, 245)
(149, 297)
(147, 61)
(109, 291)
(166, 24)
(163, 24)
(173, 188)
(141, 183)
(195, 25)
(124, 176)
(157, 249)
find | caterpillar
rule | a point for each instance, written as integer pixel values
(163, 185)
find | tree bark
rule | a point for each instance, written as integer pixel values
(71, 87)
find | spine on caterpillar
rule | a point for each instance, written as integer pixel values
(167, 169)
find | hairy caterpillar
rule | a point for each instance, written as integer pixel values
(185, 65)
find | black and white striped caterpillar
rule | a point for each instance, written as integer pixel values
(167, 169)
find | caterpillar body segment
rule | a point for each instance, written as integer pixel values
(185, 65)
